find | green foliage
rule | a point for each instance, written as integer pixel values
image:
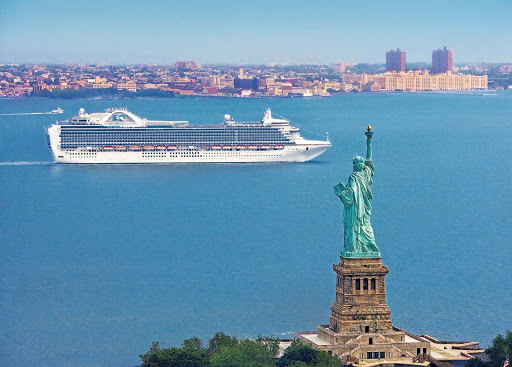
(297, 351)
(272, 345)
(299, 354)
(101, 93)
(475, 362)
(497, 352)
(221, 340)
(193, 344)
(228, 351)
(187, 356)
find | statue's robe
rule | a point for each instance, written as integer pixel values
(358, 232)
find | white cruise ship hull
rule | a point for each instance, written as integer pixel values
(297, 153)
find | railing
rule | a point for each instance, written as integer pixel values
(427, 357)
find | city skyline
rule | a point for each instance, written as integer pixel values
(236, 33)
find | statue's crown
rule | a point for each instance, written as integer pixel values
(358, 159)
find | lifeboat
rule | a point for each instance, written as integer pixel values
(240, 147)
(120, 147)
(216, 147)
(227, 147)
(172, 147)
(108, 148)
(148, 147)
(252, 147)
(160, 147)
(278, 147)
(134, 147)
(265, 147)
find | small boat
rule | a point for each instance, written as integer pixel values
(172, 147)
(58, 110)
(264, 147)
(160, 147)
(120, 147)
(278, 147)
(227, 147)
(252, 147)
(134, 147)
(216, 147)
(148, 147)
(240, 147)
(108, 148)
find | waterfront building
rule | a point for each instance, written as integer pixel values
(423, 80)
(395, 60)
(246, 83)
(346, 87)
(329, 85)
(442, 61)
(129, 86)
(351, 78)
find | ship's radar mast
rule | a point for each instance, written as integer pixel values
(267, 118)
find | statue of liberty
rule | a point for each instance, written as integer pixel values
(358, 238)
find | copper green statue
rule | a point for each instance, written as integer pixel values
(358, 238)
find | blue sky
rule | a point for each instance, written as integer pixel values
(226, 31)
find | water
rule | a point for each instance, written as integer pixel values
(99, 261)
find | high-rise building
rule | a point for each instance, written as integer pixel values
(395, 60)
(442, 61)
(185, 65)
(340, 67)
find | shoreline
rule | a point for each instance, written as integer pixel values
(127, 97)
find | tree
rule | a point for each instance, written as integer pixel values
(187, 356)
(299, 354)
(219, 340)
(475, 362)
(193, 343)
(297, 351)
(497, 352)
(246, 353)
(272, 344)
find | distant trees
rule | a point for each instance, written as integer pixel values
(228, 351)
(497, 352)
(101, 93)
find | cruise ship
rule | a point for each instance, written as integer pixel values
(119, 136)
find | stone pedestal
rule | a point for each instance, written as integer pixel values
(360, 303)
(360, 328)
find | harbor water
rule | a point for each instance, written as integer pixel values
(98, 261)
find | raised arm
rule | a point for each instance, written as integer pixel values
(369, 136)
